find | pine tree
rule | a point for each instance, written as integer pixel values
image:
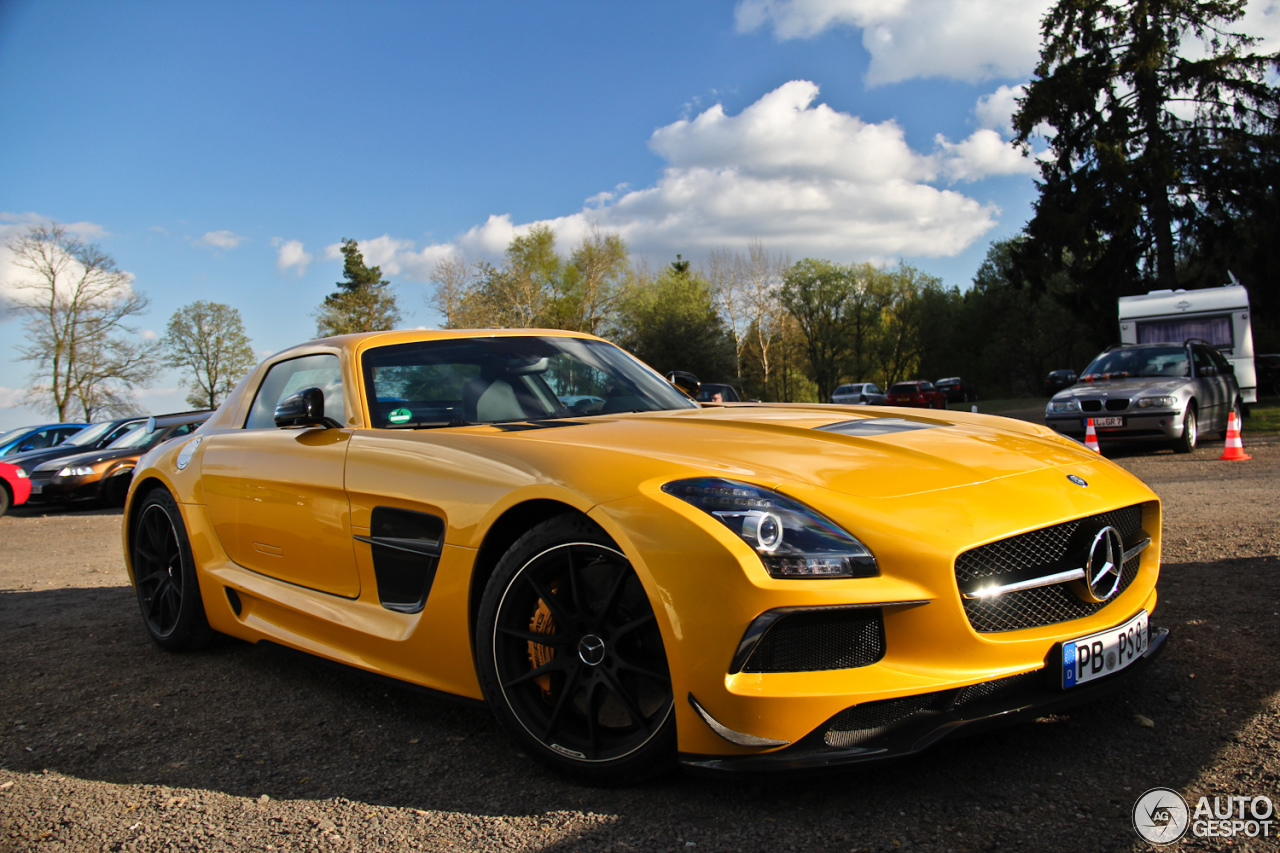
(364, 301)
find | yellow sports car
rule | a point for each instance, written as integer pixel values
(633, 580)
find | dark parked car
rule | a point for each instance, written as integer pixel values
(1150, 392)
(859, 393)
(93, 437)
(1059, 379)
(717, 392)
(920, 393)
(104, 475)
(23, 439)
(957, 390)
(1268, 368)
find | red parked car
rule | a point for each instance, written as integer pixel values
(15, 488)
(920, 394)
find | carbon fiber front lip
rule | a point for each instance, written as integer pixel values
(810, 754)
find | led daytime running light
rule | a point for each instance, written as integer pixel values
(792, 540)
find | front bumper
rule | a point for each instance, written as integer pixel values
(65, 490)
(893, 728)
(1157, 425)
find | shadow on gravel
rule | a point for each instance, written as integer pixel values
(87, 694)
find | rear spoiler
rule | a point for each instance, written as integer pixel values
(156, 422)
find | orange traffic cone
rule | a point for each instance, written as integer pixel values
(1091, 437)
(1234, 451)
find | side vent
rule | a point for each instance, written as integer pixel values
(406, 551)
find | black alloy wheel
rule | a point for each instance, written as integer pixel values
(164, 576)
(572, 659)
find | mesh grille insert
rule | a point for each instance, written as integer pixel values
(815, 640)
(1031, 555)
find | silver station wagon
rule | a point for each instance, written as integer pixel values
(1150, 392)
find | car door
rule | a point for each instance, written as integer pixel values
(276, 497)
(1211, 389)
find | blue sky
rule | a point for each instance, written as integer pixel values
(221, 150)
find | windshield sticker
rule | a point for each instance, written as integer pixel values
(399, 416)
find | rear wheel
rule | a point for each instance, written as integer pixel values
(1190, 434)
(164, 576)
(6, 499)
(571, 658)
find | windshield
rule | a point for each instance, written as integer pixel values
(88, 435)
(136, 437)
(499, 379)
(1147, 361)
(9, 436)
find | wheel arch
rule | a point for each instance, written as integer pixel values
(140, 490)
(498, 539)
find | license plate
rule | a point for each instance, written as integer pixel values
(1105, 652)
(35, 490)
(1108, 422)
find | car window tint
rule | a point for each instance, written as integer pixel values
(321, 371)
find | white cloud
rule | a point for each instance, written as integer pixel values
(221, 239)
(984, 154)
(398, 257)
(995, 111)
(13, 276)
(149, 335)
(966, 39)
(291, 255)
(793, 173)
(969, 40)
(10, 397)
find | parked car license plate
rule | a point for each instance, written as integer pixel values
(1105, 652)
(1108, 422)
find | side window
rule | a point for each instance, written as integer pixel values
(65, 433)
(1224, 366)
(289, 377)
(1204, 362)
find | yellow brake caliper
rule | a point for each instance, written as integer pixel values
(540, 655)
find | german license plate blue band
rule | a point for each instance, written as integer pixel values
(1105, 652)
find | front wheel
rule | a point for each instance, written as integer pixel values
(571, 658)
(1190, 434)
(164, 576)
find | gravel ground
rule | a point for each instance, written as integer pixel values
(108, 743)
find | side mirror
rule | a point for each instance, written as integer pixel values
(686, 382)
(306, 408)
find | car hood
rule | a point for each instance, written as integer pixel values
(871, 452)
(92, 457)
(1125, 387)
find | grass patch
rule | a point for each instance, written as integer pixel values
(1264, 418)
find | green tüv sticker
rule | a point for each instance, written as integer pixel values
(399, 416)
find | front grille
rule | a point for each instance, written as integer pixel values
(1117, 404)
(1000, 688)
(1091, 405)
(1035, 554)
(817, 640)
(42, 477)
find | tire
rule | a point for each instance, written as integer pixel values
(1190, 431)
(571, 658)
(6, 499)
(164, 576)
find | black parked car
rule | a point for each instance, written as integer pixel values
(1059, 379)
(957, 390)
(1268, 367)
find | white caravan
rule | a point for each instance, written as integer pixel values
(1219, 315)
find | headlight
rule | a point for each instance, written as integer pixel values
(1157, 402)
(20, 473)
(82, 471)
(1058, 407)
(791, 540)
